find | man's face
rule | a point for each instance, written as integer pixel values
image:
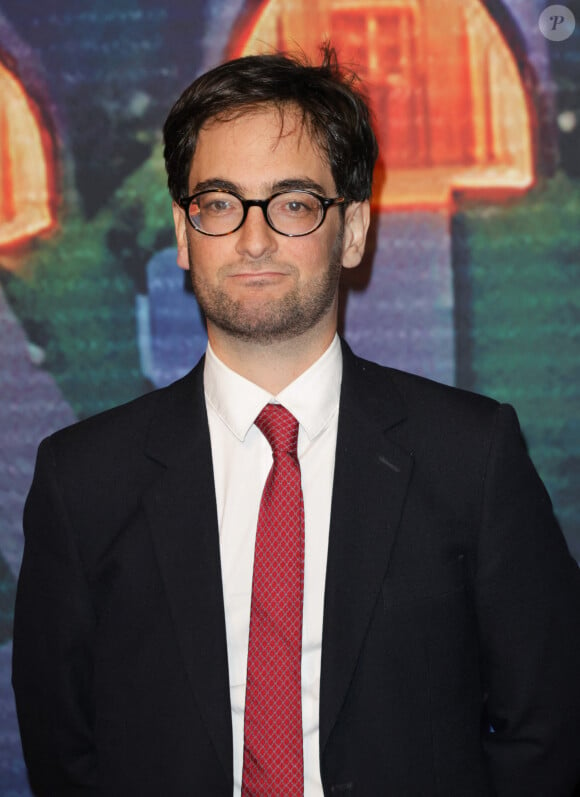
(256, 284)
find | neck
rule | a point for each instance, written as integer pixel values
(274, 365)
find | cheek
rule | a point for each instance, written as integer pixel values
(317, 250)
(322, 253)
(205, 254)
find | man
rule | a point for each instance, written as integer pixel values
(383, 606)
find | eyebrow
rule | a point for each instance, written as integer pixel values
(289, 184)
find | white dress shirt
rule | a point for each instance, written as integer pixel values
(242, 459)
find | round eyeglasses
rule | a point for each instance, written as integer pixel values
(290, 213)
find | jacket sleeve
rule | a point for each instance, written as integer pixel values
(527, 592)
(53, 634)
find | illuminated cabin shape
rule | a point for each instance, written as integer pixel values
(451, 111)
(26, 200)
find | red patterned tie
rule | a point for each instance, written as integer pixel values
(273, 765)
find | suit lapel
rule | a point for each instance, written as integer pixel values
(183, 517)
(370, 483)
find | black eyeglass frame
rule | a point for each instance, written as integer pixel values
(325, 202)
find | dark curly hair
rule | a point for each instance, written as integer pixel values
(330, 99)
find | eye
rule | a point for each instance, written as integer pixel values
(296, 204)
(214, 203)
(296, 207)
(217, 204)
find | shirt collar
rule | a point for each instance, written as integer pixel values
(312, 398)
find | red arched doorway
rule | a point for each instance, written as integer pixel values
(451, 108)
(27, 171)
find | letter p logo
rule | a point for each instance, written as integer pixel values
(557, 23)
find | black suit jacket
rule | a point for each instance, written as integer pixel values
(451, 639)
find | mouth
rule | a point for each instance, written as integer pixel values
(259, 277)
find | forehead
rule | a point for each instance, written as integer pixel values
(259, 147)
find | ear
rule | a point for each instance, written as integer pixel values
(356, 224)
(181, 235)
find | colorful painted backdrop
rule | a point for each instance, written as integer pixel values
(473, 270)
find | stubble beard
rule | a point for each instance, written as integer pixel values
(287, 317)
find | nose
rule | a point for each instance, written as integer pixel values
(255, 238)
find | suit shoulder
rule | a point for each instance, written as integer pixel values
(120, 419)
(420, 389)
(421, 393)
(120, 428)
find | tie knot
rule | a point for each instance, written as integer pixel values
(279, 427)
